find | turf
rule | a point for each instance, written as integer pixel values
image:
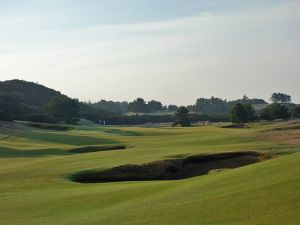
(35, 165)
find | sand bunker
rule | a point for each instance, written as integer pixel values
(176, 169)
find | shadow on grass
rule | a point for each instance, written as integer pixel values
(59, 137)
(14, 153)
(88, 149)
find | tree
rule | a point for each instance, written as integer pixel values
(296, 112)
(111, 106)
(275, 111)
(172, 108)
(182, 117)
(9, 105)
(280, 98)
(155, 106)
(138, 105)
(212, 105)
(86, 111)
(62, 108)
(245, 99)
(242, 113)
(38, 117)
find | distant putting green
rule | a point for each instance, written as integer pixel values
(36, 165)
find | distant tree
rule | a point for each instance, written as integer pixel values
(138, 105)
(296, 112)
(172, 108)
(182, 117)
(9, 106)
(280, 98)
(212, 105)
(111, 106)
(38, 117)
(62, 108)
(87, 111)
(242, 113)
(192, 108)
(275, 111)
(245, 99)
(155, 106)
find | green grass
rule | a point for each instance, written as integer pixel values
(35, 189)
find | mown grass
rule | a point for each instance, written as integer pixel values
(35, 189)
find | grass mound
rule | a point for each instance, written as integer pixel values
(191, 166)
(87, 149)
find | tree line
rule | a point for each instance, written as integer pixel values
(243, 113)
(21, 100)
(211, 105)
(64, 109)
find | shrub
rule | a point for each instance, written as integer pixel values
(275, 111)
(296, 112)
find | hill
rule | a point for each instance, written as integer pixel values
(28, 93)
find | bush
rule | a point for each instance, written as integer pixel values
(296, 112)
(275, 111)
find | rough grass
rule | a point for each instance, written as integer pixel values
(35, 190)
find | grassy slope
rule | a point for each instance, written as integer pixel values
(34, 189)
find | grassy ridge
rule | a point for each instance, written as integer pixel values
(34, 189)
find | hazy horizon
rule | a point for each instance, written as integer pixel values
(171, 51)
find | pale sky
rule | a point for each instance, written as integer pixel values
(174, 51)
